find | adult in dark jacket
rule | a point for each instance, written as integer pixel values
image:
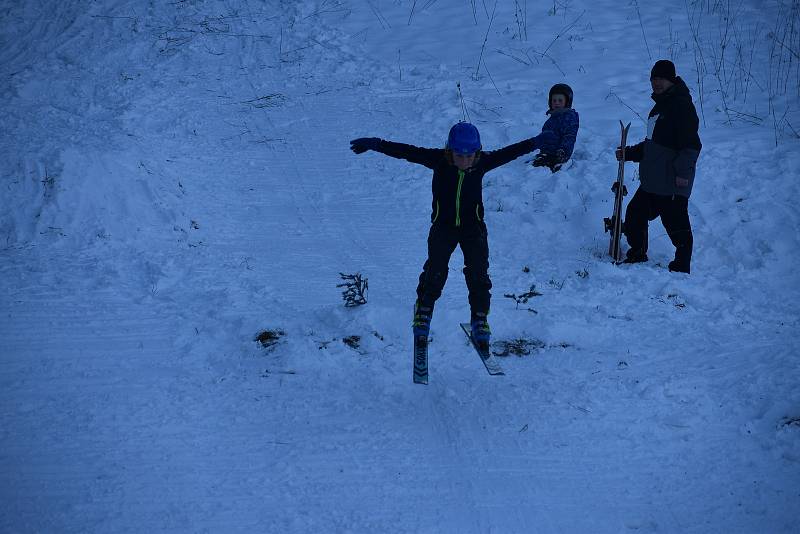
(667, 159)
(456, 214)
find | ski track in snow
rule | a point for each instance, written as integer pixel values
(176, 178)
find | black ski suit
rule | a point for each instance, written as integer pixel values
(456, 218)
(670, 150)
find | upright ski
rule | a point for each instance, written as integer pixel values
(614, 223)
(420, 359)
(488, 359)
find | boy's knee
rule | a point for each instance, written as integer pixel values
(435, 278)
(479, 277)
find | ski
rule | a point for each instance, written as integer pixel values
(614, 223)
(488, 359)
(420, 359)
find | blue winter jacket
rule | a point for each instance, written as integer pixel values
(564, 122)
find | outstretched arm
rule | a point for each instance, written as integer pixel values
(496, 158)
(429, 157)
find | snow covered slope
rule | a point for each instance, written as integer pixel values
(176, 178)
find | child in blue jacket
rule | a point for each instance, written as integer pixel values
(563, 121)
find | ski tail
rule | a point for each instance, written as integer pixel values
(420, 359)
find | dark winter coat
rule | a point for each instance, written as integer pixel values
(672, 145)
(564, 122)
(457, 195)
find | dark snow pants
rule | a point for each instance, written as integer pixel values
(674, 212)
(442, 242)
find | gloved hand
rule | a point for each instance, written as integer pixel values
(553, 161)
(362, 144)
(545, 141)
(615, 187)
(618, 153)
(543, 159)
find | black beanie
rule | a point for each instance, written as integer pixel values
(663, 68)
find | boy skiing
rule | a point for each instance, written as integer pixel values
(457, 215)
(564, 123)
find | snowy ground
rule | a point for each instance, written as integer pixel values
(176, 178)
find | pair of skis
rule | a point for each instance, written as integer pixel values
(613, 224)
(421, 356)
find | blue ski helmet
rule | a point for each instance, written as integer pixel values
(464, 138)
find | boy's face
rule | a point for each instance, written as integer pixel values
(463, 161)
(558, 101)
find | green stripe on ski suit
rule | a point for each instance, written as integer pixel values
(458, 197)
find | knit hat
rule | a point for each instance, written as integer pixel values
(663, 68)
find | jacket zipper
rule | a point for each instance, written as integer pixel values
(458, 197)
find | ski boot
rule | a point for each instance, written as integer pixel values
(481, 334)
(422, 320)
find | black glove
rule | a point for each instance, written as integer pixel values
(362, 144)
(545, 141)
(553, 160)
(615, 188)
(544, 160)
(618, 153)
